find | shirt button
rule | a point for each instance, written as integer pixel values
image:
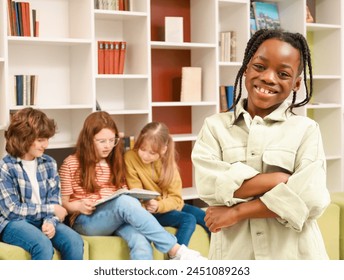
(259, 233)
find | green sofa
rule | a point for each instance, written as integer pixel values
(109, 247)
(331, 224)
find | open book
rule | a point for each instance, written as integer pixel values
(138, 193)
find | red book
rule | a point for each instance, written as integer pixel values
(28, 21)
(116, 59)
(121, 5)
(106, 57)
(122, 53)
(112, 57)
(101, 69)
(25, 9)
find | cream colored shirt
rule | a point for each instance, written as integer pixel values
(227, 152)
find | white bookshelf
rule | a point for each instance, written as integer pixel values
(64, 57)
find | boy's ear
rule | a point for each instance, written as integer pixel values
(297, 84)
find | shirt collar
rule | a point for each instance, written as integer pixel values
(19, 160)
(278, 115)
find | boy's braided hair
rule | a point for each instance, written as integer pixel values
(298, 41)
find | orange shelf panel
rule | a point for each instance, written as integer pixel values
(169, 8)
(167, 72)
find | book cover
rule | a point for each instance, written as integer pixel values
(10, 18)
(107, 54)
(174, 29)
(229, 96)
(26, 18)
(126, 5)
(253, 25)
(225, 49)
(101, 57)
(233, 44)
(112, 58)
(34, 85)
(117, 46)
(18, 19)
(141, 194)
(266, 15)
(191, 84)
(14, 18)
(121, 5)
(223, 99)
(122, 55)
(19, 90)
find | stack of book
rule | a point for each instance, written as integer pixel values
(21, 19)
(127, 141)
(227, 46)
(25, 88)
(115, 5)
(111, 57)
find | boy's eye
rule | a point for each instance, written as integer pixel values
(284, 74)
(258, 67)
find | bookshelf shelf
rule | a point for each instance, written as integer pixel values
(180, 104)
(180, 46)
(321, 26)
(65, 58)
(120, 77)
(26, 41)
(184, 137)
(117, 15)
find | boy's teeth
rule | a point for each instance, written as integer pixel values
(264, 91)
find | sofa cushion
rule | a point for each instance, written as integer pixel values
(338, 198)
(329, 227)
(12, 252)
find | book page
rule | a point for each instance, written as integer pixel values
(140, 194)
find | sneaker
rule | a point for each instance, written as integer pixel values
(184, 253)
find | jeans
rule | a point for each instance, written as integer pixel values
(28, 235)
(124, 216)
(185, 221)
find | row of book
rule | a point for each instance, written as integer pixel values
(115, 5)
(128, 141)
(25, 88)
(264, 15)
(226, 97)
(227, 46)
(22, 20)
(111, 57)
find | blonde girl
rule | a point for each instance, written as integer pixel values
(152, 165)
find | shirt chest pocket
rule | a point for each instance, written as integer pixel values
(234, 154)
(278, 160)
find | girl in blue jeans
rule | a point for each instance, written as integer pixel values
(30, 212)
(94, 172)
(152, 165)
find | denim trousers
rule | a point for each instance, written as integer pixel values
(28, 235)
(124, 216)
(185, 221)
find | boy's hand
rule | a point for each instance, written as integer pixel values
(218, 217)
(48, 229)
